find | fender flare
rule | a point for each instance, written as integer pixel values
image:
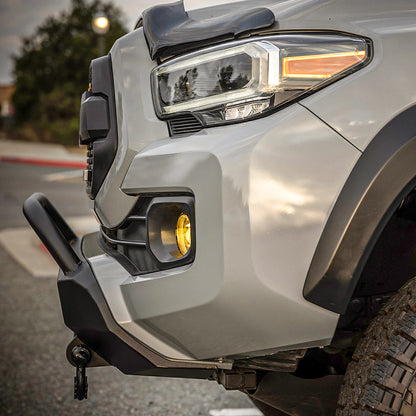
(384, 174)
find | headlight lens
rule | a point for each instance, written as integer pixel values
(240, 80)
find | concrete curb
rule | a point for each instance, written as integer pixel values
(43, 154)
(44, 162)
(28, 251)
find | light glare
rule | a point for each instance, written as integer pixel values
(101, 22)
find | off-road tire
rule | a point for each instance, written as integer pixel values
(380, 380)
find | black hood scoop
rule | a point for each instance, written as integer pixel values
(170, 31)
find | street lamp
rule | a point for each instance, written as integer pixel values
(100, 25)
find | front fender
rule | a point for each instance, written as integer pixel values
(384, 174)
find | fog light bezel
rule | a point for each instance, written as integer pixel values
(161, 222)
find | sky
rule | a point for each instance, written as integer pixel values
(19, 18)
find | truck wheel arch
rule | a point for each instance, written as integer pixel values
(384, 174)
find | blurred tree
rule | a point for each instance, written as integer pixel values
(51, 70)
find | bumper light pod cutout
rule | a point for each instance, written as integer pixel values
(245, 79)
(171, 230)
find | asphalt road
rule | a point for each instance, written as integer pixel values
(35, 377)
(17, 182)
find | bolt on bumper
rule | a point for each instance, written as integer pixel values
(85, 309)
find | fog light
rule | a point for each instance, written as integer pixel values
(171, 229)
(183, 233)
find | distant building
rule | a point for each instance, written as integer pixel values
(6, 107)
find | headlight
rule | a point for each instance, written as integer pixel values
(240, 80)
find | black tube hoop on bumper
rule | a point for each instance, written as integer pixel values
(85, 309)
(52, 229)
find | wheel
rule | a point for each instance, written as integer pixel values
(381, 378)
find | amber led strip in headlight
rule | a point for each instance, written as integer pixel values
(320, 66)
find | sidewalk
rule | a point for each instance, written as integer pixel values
(27, 250)
(46, 154)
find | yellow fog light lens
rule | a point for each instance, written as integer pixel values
(183, 233)
(171, 229)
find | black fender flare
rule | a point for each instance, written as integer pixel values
(384, 174)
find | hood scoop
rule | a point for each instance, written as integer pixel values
(170, 31)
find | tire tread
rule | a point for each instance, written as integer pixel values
(370, 385)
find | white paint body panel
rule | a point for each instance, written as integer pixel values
(360, 105)
(261, 199)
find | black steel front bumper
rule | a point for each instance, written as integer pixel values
(86, 312)
(85, 309)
